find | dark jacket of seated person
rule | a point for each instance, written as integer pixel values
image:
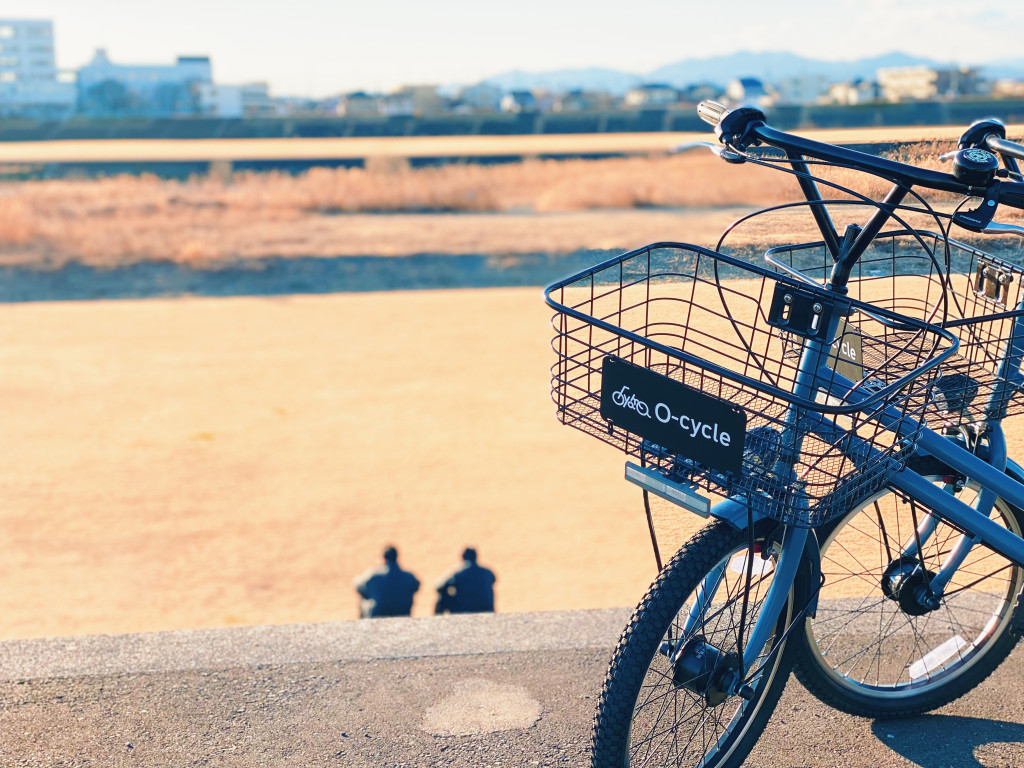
(469, 589)
(387, 590)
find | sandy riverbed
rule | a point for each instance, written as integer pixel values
(193, 462)
(209, 462)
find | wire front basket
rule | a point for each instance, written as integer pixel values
(689, 360)
(974, 294)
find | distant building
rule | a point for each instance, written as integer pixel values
(302, 106)
(247, 100)
(1008, 89)
(358, 104)
(698, 92)
(908, 83)
(749, 90)
(518, 101)
(544, 100)
(481, 97)
(855, 92)
(108, 89)
(421, 99)
(397, 105)
(256, 100)
(925, 84)
(30, 85)
(651, 95)
(804, 89)
(583, 101)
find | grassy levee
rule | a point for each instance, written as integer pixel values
(230, 216)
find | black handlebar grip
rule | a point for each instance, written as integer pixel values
(711, 111)
(979, 131)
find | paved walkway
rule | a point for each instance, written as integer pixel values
(512, 690)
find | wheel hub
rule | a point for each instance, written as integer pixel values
(906, 582)
(706, 670)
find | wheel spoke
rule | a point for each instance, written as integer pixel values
(672, 722)
(864, 644)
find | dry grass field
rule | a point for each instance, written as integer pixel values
(207, 462)
(386, 209)
(331, 212)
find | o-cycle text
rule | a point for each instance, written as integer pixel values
(663, 413)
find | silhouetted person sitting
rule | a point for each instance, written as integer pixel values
(470, 589)
(386, 590)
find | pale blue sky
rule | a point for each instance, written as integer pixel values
(306, 47)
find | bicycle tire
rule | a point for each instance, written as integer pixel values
(624, 725)
(932, 659)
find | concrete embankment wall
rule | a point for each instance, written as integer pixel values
(513, 690)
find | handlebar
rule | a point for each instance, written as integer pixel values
(1003, 147)
(744, 127)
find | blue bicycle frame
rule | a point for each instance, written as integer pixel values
(815, 375)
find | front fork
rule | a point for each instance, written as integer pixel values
(690, 658)
(706, 669)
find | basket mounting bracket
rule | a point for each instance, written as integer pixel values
(800, 311)
(992, 281)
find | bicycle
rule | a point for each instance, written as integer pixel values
(843, 393)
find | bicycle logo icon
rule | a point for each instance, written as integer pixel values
(632, 402)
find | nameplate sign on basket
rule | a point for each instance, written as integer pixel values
(847, 354)
(674, 416)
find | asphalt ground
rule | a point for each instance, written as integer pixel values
(513, 690)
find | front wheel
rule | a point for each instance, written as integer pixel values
(870, 650)
(668, 698)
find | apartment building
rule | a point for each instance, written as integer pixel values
(924, 83)
(106, 88)
(30, 84)
(247, 100)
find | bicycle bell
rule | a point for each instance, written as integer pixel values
(975, 167)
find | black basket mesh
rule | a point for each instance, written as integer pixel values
(701, 318)
(971, 293)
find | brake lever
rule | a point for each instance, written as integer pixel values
(726, 153)
(998, 228)
(978, 219)
(976, 168)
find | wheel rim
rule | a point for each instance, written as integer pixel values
(672, 725)
(866, 643)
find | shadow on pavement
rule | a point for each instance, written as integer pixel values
(939, 741)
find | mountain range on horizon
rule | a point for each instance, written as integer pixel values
(720, 70)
